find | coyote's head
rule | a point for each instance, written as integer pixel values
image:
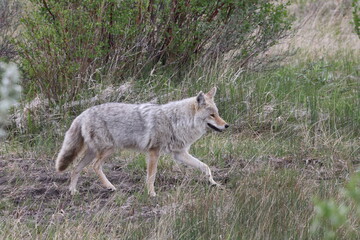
(207, 111)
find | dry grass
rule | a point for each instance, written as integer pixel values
(322, 28)
(266, 195)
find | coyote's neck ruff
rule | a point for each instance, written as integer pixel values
(177, 126)
(169, 128)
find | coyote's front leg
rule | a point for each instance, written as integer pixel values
(185, 158)
(151, 162)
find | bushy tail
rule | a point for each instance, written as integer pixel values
(72, 146)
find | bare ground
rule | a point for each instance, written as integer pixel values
(30, 189)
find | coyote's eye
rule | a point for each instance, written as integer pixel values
(212, 115)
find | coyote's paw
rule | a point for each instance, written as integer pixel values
(73, 191)
(111, 189)
(152, 194)
(215, 184)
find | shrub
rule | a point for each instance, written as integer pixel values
(66, 42)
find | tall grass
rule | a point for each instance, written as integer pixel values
(320, 95)
(264, 205)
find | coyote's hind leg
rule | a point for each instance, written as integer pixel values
(88, 157)
(100, 159)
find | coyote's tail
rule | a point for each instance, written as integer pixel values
(73, 143)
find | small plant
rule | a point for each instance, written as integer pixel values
(331, 216)
(9, 92)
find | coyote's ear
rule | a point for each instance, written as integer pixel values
(200, 98)
(211, 93)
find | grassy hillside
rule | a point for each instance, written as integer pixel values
(294, 137)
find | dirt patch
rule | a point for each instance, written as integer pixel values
(30, 189)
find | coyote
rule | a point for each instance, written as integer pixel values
(152, 128)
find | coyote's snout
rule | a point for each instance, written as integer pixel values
(169, 128)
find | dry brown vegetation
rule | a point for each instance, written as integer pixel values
(323, 28)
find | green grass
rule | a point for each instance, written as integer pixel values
(293, 137)
(267, 204)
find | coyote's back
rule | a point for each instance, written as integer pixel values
(103, 127)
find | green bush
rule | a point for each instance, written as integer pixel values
(65, 43)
